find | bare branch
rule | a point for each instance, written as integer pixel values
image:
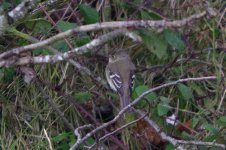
(110, 25)
(67, 55)
(117, 130)
(81, 69)
(48, 139)
(173, 141)
(22, 9)
(78, 134)
(134, 103)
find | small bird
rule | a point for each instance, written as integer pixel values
(120, 75)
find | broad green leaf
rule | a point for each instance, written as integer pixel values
(42, 27)
(41, 51)
(163, 106)
(80, 41)
(164, 100)
(82, 96)
(155, 16)
(162, 109)
(209, 128)
(61, 45)
(149, 15)
(174, 39)
(90, 14)
(65, 25)
(170, 147)
(155, 43)
(145, 15)
(185, 91)
(143, 88)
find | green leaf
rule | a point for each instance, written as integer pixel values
(170, 147)
(90, 14)
(174, 39)
(145, 15)
(41, 51)
(61, 45)
(149, 15)
(162, 109)
(82, 96)
(163, 106)
(80, 41)
(65, 25)
(164, 100)
(155, 43)
(143, 88)
(185, 91)
(209, 128)
(42, 27)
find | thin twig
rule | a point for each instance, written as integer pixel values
(78, 135)
(82, 69)
(22, 9)
(117, 130)
(139, 98)
(110, 25)
(67, 55)
(48, 139)
(173, 141)
(84, 112)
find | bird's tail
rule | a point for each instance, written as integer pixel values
(125, 100)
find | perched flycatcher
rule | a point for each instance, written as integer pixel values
(120, 75)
